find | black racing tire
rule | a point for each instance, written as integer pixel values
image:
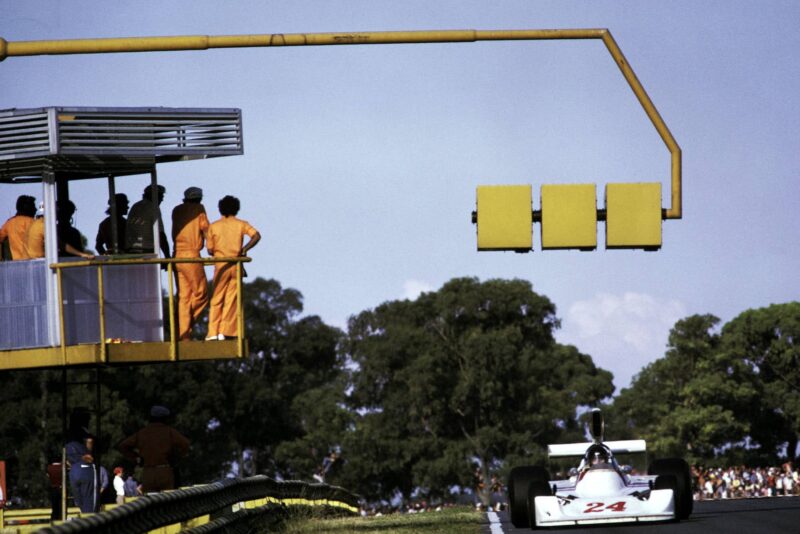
(679, 469)
(518, 481)
(669, 482)
(666, 482)
(537, 488)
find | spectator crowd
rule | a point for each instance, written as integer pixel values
(738, 482)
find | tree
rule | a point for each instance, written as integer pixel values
(31, 433)
(240, 413)
(466, 375)
(687, 403)
(27, 431)
(767, 342)
(734, 396)
(290, 361)
(260, 414)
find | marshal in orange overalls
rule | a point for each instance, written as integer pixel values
(189, 227)
(16, 231)
(34, 242)
(225, 239)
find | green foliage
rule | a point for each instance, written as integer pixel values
(764, 345)
(236, 413)
(734, 394)
(468, 374)
(674, 403)
(419, 396)
(25, 429)
(268, 411)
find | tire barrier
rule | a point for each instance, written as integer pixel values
(259, 519)
(230, 502)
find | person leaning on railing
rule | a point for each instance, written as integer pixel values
(225, 240)
(70, 242)
(104, 242)
(139, 227)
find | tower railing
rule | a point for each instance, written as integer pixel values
(169, 264)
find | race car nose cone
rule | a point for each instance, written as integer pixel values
(599, 483)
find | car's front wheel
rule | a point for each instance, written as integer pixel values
(668, 469)
(519, 480)
(538, 487)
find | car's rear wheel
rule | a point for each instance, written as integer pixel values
(677, 469)
(537, 488)
(519, 480)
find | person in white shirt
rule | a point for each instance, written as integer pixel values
(119, 485)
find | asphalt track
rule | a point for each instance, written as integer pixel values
(765, 515)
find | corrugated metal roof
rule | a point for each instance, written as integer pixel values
(81, 142)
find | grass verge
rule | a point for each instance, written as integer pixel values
(457, 520)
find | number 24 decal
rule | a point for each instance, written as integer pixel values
(600, 506)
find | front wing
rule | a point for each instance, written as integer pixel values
(554, 511)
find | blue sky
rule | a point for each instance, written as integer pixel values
(361, 163)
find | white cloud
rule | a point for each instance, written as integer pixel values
(622, 333)
(414, 288)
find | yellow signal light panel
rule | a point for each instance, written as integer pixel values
(505, 217)
(569, 216)
(633, 215)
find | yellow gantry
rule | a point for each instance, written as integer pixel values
(205, 42)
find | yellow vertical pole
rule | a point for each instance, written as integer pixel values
(116, 246)
(64, 463)
(61, 328)
(675, 211)
(239, 310)
(173, 342)
(101, 298)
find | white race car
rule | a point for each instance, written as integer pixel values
(599, 490)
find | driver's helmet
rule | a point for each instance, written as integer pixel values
(597, 455)
(599, 458)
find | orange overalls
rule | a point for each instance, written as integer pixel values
(16, 231)
(189, 226)
(225, 239)
(34, 242)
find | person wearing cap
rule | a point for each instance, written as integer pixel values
(189, 229)
(157, 447)
(141, 218)
(225, 240)
(15, 229)
(104, 243)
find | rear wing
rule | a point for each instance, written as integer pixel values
(569, 450)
